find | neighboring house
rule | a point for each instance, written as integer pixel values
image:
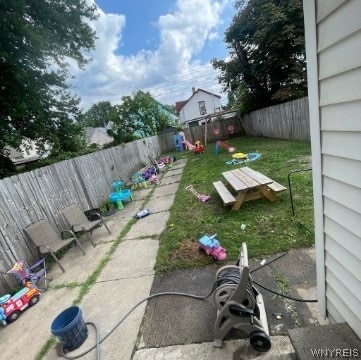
(333, 49)
(201, 104)
(27, 152)
(174, 119)
(98, 136)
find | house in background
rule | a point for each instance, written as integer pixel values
(174, 119)
(201, 104)
(99, 135)
(28, 152)
(333, 49)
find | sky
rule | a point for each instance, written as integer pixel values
(160, 46)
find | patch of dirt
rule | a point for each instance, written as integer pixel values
(303, 161)
(187, 251)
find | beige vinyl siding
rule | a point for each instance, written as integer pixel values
(345, 170)
(339, 75)
(344, 144)
(325, 8)
(341, 117)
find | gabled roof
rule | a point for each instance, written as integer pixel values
(180, 104)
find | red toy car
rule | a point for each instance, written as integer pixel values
(198, 148)
(12, 306)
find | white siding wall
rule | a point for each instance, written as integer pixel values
(191, 109)
(339, 86)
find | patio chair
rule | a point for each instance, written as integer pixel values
(48, 241)
(23, 273)
(79, 222)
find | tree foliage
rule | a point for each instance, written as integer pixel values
(37, 41)
(267, 53)
(99, 115)
(140, 115)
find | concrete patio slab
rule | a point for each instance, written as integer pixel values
(181, 159)
(25, 337)
(312, 313)
(178, 165)
(165, 190)
(115, 224)
(171, 173)
(163, 203)
(131, 259)
(78, 266)
(327, 341)
(131, 209)
(231, 350)
(171, 180)
(149, 226)
(105, 304)
(141, 194)
(180, 320)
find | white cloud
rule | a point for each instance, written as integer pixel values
(169, 72)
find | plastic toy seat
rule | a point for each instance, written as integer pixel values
(118, 185)
(239, 156)
(23, 272)
(119, 196)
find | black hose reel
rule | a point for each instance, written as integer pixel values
(240, 305)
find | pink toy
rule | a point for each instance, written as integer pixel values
(154, 179)
(201, 198)
(188, 145)
(212, 247)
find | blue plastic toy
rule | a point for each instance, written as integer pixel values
(119, 196)
(118, 185)
(178, 142)
(212, 247)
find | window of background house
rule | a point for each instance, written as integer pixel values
(202, 107)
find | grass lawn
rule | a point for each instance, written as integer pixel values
(270, 227)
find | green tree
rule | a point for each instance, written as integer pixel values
(267, 53)
(140, 115)
(69, 138)
(37, 41)
(99, 115)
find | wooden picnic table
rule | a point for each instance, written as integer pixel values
(247, 184)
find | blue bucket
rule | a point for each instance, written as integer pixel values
(70, 328)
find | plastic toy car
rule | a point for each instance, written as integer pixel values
(212, 247)
(12, 306)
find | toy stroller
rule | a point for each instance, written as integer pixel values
(201, 198)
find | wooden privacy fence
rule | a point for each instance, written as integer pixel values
(41, 193)
(284, 121)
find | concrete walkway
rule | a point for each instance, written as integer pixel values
(126, 277)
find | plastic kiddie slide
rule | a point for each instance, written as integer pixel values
(189, 145)
(224, 145)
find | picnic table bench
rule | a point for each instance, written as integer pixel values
(247, 184)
